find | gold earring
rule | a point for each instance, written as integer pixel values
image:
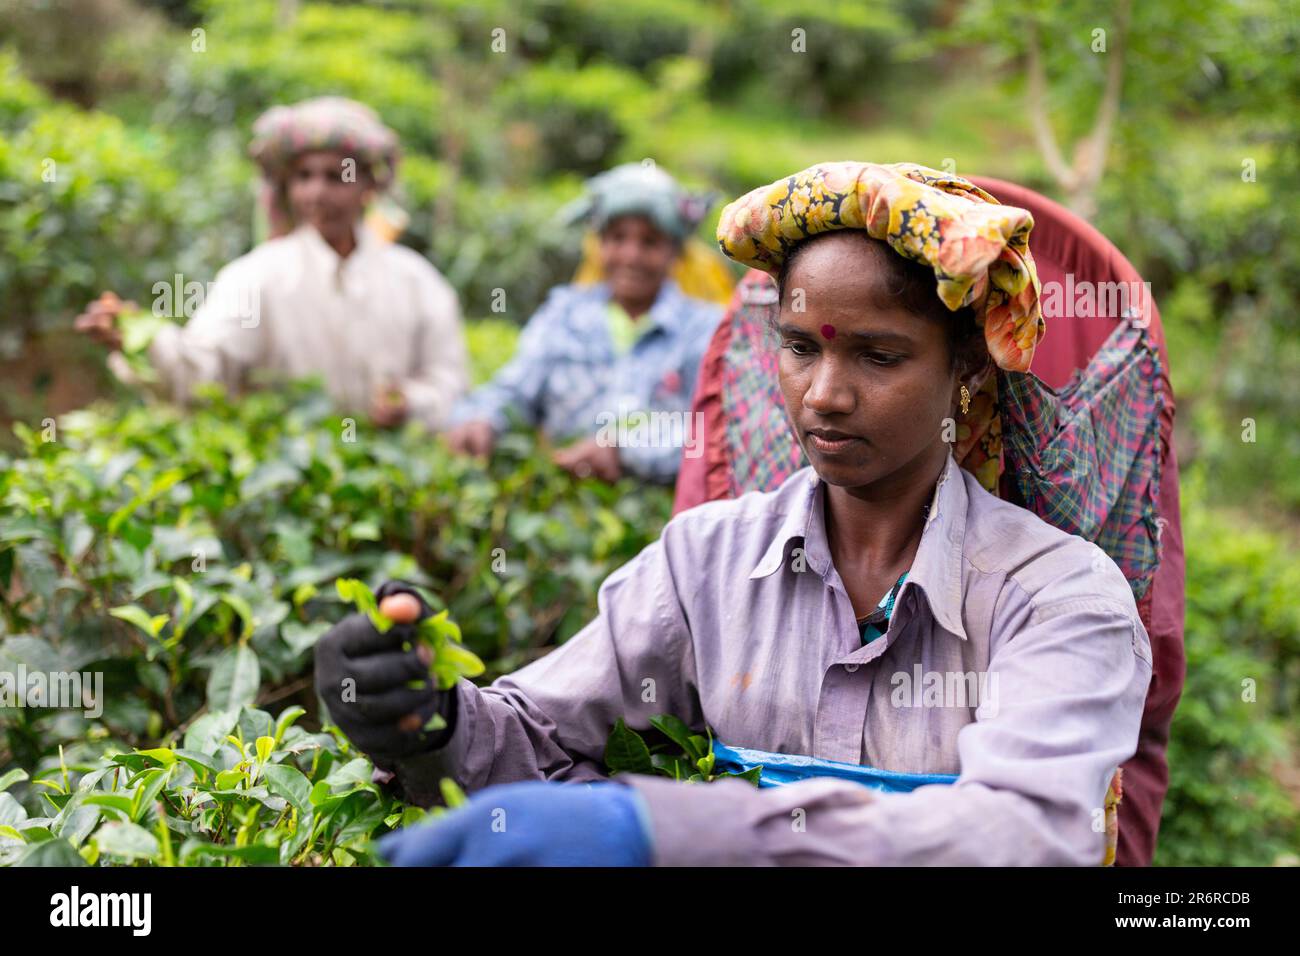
(965, 400)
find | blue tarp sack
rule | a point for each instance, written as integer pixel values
(781, 769)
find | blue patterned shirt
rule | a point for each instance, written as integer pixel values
(569, 379)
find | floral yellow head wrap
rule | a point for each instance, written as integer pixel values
(977, 247)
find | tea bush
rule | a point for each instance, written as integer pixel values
(673, 751)
(243, 788)
(191, 560)
(238, 788)
(191, 557)
(252, 59)
(85, 202)
(1231, 740)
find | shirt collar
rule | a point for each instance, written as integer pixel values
(936, 569)
(795, 525)
(323, 254)
(666, 312)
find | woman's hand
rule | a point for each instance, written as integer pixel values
(588, 458)
(99, 321)
(471, 438)
(379, 694)
(388, 406)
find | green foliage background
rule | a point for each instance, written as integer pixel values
(145, 123)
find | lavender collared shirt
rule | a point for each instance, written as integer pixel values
(1014, 657)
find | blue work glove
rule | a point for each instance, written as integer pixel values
(531, 824)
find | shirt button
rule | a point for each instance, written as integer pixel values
(851, 668)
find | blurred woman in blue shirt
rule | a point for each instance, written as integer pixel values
(610, 367)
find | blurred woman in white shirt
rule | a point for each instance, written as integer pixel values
(326, 295)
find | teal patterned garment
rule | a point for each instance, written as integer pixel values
(876, 623)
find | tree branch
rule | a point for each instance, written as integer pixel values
(1090, 155)
(1051, 152)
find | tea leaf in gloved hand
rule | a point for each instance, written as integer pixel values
(356, 593)
(451, 659)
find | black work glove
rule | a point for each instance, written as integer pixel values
(369, 710)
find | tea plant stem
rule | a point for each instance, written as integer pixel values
(165, 837)
(169, 705)
(178, 810)
(328, 853)
(311, 841)
(288, 690)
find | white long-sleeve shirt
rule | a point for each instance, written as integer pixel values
(292, 307)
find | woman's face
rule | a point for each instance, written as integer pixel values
(867, 383)
(636, 256)
(321, 195)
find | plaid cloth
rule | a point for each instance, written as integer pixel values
(1086, 460)
(760, 441)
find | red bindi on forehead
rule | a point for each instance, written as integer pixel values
(828, 331)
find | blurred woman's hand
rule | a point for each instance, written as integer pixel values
(471, 438)
(590, 458)
(99, 320)
(388, 407)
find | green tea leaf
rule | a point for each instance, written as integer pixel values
(290, 783)
(206, 733)
(286, 720)
(320, 792)
(7, 780)
(11, 811)
(452, 795)
(242, 609)
(674, 728)
(134, 614)
(116, 802)
(230, 779)
(358, 594)
(185, 596)
(153, 781)
(697, 746)
(234, 680)
(303, 637)
(126, 840)
(626, 751)
(138, 329)
(55, 852)
(752, 775)
(202, 764)
(303, 593)
(163, 755)
(451, 660)
(193, 851)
